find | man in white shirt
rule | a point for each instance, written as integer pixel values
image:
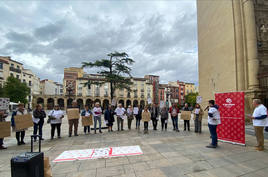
(120, 112)
(260, 121)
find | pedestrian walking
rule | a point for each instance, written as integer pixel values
(213, 122)
(260, 121)
(120, 112)
(74, 122)
(186, 122)
(146, 117)
(97, 117)
(86, 112)
(55, 117)
(154, 116)
(20, 134)
(174, 111)
(198, 112)
(130, 116)
(109, 118)
(38, 119)
(164, 118)
(3, 116)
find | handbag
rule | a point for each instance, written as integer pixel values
(49, 118)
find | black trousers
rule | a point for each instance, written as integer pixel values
(155, 123)
(20, 136)
(187, 124)
(164, 124)
(53, 127)
(86, 129)
(146, 126)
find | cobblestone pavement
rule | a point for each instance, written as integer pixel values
(166, 154)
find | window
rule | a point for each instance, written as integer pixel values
(11, 74)
(12, 65)
(1, 75)
(18, 76)
(1, 65)
(30, 83)
(18, 66)
(24, 81)
(30, 76)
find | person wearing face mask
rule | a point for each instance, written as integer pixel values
(198, 112)
(55, 116)
(38, 119)
(20, 134)
(86, 113)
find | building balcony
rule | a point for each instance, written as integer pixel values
(15, 69)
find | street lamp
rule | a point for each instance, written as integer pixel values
(167, 97)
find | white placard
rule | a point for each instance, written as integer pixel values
(4, 103)
(135, 110)
(98, 153)
(113, 102)
(162, 104)
(149, 101)
(199, 99)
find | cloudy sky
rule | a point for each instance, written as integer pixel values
(161, 36)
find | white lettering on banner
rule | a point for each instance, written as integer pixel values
(228, 103)
(98, 153)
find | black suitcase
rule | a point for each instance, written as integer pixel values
(28, 164)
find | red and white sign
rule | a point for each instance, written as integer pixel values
(98, 153)
(232, 111)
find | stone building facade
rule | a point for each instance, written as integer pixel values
(233, 48)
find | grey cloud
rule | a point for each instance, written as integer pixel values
(49, 31)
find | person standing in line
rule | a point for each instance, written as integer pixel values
(186, 122)
(174, 111)
(120, 112)
(213, 122)
(3, 117)
(74, 122)
(97, 117)
(146, 117)
(136, 112)
(20, 134)
(164, 118)
(154, 115)
(130, 116)
(109, 117)
(138, 117)
(198, 112)
(55, 116)
(38, 116)
(260, 120)
(86, 113)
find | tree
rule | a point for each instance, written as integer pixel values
(115, 70)
(15, 90)
(191, 98)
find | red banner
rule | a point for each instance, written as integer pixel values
(232, 111)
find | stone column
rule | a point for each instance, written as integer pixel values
(240, 74)
(65, 103)
(251, 44)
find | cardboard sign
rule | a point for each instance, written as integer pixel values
(4, 129)
(73, 113)
(23, 121)
(185, 115)
(4, 103)
(87, 121)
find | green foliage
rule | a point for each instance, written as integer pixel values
(116, 70)
(191, 98)
(16, 90)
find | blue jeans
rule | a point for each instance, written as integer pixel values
(175, 122)
(97, 118)
(213, 133)
(39, 127)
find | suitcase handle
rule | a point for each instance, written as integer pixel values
(35, 136)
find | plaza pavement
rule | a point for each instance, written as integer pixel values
(166, 154)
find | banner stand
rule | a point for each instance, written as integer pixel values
(224, 141)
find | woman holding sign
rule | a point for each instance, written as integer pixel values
(146, 117)
(198, 112)
(3, 116)
(38, 119)
(86, 113)
(55, 118)
(109, 118)
(20, 133)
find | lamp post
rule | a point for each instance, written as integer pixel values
(167, 97)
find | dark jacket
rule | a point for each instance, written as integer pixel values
(84, 112)
(154, 112)
(138, 116)
(109, 115)
(39, 115)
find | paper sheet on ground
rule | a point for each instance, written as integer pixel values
(98, 153)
